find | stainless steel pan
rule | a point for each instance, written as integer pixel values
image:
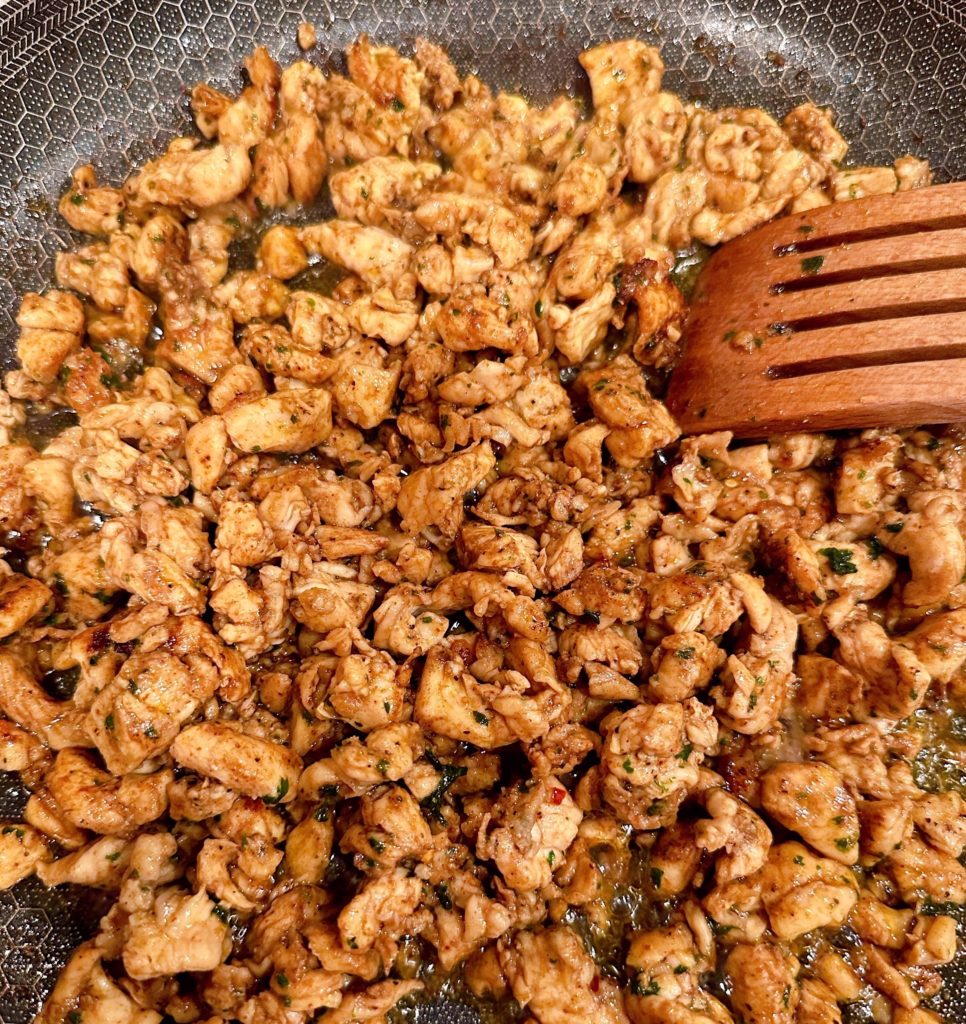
(103, 80)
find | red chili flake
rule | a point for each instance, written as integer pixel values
(595, 983)
(557, 795)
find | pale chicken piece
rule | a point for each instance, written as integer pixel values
(308, 847)
(364, 385)
(193, 177)
(286, 421)
(100, 864)
(864, 480)
(367, 690)
(469, 321)
(373, 191)
(754, 687)
(152, 575)
(528, 832)
(450, 701)
(639, 424)
(432, 496)
(931, 538)
(683, 664)
(15, 502)
(93, 799)
(318, 322)
(272, 347)
(385, 905)
(48, 481)
(243, 534)
(392, 828)
(383, 314)
(386, 755)
(939, 642)
(206, 449)
(735, 829)
(22, 850)
(895, 681)
(198, 334)
(812, 800)
(912, 172)
(695, 1008)
(89, 207)
(811, 128)
(576, 332)
(373, 254)
(179, 932)
(817, 1004)
(941, 818)
(372, 1004)
(280, 253)
(96, 273)
(589, 260)
(161, 240)
(650, 759)
(84, 988)
(621, 72)
(25, 702)
(247, 120)
(921, 870)
(607, 593)
(853, 569)
(490, 548)
(801, 892)
(324, 601)
(859, 182)
(298, 140)
(176, 669)
(252, 296)
(21, 598)
(763, 986)
(404, 622)
(247, 764)
(656, 126)
(552, 975)
(487, 222)
(885, 824)
(21, 751)
(827, 690)
(51, 327)
(580, 189)
(580, 646)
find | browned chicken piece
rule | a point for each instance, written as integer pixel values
(801, 892)
(51, 327)
(812, 800)
(764, 990)
(93, 799)
(528, 833)
(432, 497)
(247, 764)
(551, 974)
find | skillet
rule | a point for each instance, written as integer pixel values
(105, 81)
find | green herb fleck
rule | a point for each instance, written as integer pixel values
(839, 560)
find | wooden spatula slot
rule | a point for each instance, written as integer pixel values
(809, 367)
(846, 316)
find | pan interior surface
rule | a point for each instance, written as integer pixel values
(104, 81)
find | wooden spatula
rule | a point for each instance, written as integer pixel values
(851, 315)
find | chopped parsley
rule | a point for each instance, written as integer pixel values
(840, 560)
(280, 790)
